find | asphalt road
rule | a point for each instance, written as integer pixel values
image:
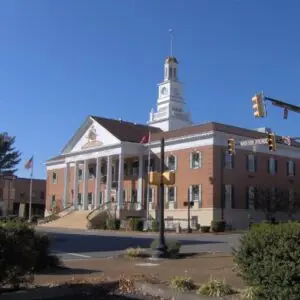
(87, 244)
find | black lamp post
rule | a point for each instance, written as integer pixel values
(161, 250)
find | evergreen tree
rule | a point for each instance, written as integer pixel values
(9, 156)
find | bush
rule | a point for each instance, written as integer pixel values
(269, 258)
(218, 226)
(182, 283)
(173, 247)
(136, 252)
(204, 229)
(136, 224)
(23, 252)
(155, 226)
(215, 288)
(113, 224)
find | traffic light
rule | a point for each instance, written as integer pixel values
(272, 141)
(154, 178)
(258, 105)
(231, 146)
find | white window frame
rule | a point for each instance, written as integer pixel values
(168, 162)
(191, 198)
(92, 200)
(228, 158)
(53, 200)
(228, 195)
(54, 178)
(199, 160)
(291, 168)
(151, 192)
(251, 163)
(80, 174)
(272, 166)
(168, 194)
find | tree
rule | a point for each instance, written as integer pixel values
(273, 200)
(9, 156)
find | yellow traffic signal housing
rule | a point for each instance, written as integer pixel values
(272, 141)
(231, 146)
(154, 178)
(169, 178)
(259, 106)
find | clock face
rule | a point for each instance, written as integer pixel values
(164, 91)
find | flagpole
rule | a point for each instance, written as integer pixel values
(148, 185)
(30, 192)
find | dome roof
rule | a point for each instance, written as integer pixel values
(170, 59)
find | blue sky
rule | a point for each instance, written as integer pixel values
(63, 60)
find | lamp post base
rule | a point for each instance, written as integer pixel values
(189, 230)
(160, 252)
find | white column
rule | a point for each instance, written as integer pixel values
(66, 185)
(108, 178)
(85, 185)
(75, 187)
(97, 183)
(120, 181)
(140, 181)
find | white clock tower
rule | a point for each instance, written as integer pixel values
(170, 111)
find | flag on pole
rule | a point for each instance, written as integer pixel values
(285, 113)
(29, 163)
(145, 139)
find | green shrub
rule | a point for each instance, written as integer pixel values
(136, 224)
(215, 288)
(23, 252)
(113, 224)
(182, 283)
(204, 229)
(173, 247)
(218, 226)
(155, 226)
(269, 258)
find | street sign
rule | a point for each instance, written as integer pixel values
(253, 142)
(186, 203)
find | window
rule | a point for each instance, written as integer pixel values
(228, 196)
(196, 160)
(291, 199)
(101, 197)
(54, 178)
(251, 163)
(291, 168)
(92, 173)
(124, 195)
(90, 198)
(170, 70)
(53, 201)
(135, 168)
(171, 194)
(175, 73)
(228, 160)
(80, 174)
(250, 197)
(151, 167)
(195, 193)
(272, 166)
(149, 193)
(133, 195)
(79, 199)
(33, 194)
(42, 195)
(171, 162)
(22, 195)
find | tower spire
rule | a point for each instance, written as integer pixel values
(171, 41)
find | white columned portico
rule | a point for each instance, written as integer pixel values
(120, 181)
(85, 185)
(75, 187)
(140, 182)
(108, 178)
(97, 182)
(66, 185)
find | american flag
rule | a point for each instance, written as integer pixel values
(287, 140)
(29, 163)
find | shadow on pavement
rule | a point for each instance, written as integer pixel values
(67, 271)
(81, 243)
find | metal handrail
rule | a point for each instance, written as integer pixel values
(97, 208)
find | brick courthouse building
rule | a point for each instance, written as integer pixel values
(106, 161)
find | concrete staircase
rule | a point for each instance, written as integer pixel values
(76, 219)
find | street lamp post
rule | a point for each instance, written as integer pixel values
(161, 250)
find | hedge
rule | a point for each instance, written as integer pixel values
(269, 260)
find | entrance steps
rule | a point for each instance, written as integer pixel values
(76, 219)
